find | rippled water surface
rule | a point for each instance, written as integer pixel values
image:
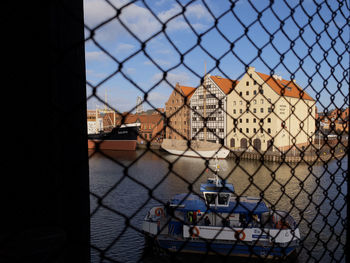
(132, 182)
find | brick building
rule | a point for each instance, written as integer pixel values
(152, 125)
(178, 113)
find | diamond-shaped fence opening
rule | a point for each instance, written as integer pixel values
(247, 160)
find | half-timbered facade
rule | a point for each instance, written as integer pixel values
(208, 109)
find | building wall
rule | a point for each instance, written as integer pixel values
(266, 116)
(178, 114)
(216, 117)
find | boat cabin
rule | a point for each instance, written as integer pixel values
(217, 193)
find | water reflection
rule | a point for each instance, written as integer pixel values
(131, 183)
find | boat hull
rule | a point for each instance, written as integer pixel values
(198, 149)
(237, 249)
(119, 145)
(221, 154)
(122, 138)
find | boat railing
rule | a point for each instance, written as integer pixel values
(279, 220)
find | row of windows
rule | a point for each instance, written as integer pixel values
(261, 91)
(269, 109)
(255, 101)
(247, 120)
(247, 130)
(208, 106)
(209, 130)
(209, 119)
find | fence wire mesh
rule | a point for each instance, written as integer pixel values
(260, 118)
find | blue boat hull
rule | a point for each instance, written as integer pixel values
(226, 249)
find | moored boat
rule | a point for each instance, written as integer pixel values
(218, 222)
(201, 149)
(123, 137)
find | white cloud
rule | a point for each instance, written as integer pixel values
(124, 47)
(137, 19)
(95, 56)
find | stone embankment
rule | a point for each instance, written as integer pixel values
(322, 155)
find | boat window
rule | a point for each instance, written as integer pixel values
(223, 199)
(210, 198)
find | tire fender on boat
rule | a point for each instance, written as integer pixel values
(194, 231)
(159, 211)
(240, 235)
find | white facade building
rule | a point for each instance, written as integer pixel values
(209, 102)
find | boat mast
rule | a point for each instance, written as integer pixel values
(205, 102)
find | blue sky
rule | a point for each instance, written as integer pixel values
(312, 50)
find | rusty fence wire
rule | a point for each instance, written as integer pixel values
(318, 44)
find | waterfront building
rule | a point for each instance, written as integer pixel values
(208, 106)
(100, 120)
(268, 112)
(178, 113)
(152, 125)
(337, 121)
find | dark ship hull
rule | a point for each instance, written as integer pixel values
(123, 138)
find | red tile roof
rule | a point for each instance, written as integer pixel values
(188, 91)
(226, 85)
(284, 87)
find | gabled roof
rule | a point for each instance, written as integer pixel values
(187, 91)
(284, 87)
(226, 85)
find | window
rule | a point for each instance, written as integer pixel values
(269, 109)
(262, 101)
(240, 120)
(240, 94)
(210, 199)
(240, 111)
(223, 199)
(269, 120)
(254, 101)
(247, 83)
(240, 130)
(247, 93)
(234, 111)
(240, 102)
(262, 110)
(221, 130)
(234, 103)
(254, 120)
(261, 91)
(247, 130)
(254, 130)
(247, 120)
(254, 110)
(269, 130)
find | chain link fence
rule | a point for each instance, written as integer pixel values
(303, 158)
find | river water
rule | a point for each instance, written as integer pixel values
(130, 183)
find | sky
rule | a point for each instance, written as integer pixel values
(170, 41)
